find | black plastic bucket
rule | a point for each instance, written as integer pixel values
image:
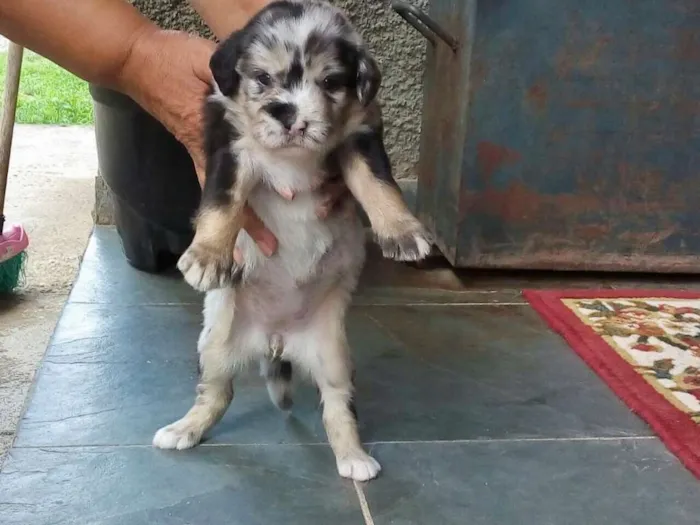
(152, 180)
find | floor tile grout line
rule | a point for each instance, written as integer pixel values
(513, 440)
(371, 443)
(359, 304)
(364, 506)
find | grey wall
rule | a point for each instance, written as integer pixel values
(396, 46)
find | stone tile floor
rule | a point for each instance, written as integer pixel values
(478, 413)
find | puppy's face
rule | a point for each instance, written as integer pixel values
(299, 71)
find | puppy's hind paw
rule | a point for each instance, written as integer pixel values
(412, 245)
(205, 269)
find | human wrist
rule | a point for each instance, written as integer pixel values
(141, 49)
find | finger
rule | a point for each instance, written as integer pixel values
(238, 256)
(318, 182)
(286, 194)
(263, 237)
(332, 195)
(201, 175)
(323, 209)
(199, 165)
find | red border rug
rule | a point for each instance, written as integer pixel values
(645, 344)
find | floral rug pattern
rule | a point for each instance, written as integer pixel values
(660, 338)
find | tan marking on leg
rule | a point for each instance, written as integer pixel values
(398, 231)
(382, 203)
(208, 262)
(332, 371)
(214, 395)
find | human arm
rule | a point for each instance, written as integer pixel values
(225, 16)
(108, 42)
(91, 39)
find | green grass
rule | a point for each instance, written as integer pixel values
(49, 94)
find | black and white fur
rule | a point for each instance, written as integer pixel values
(293, 104)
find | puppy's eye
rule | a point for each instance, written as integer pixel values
(264, 79)
(333, 82)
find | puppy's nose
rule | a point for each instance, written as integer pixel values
(285, 113)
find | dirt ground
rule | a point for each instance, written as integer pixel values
(51, 193)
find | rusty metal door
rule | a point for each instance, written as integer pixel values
(562, 134)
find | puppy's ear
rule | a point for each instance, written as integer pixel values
(223, 64)
(369, 78)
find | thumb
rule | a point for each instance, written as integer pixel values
(201, 175)
(199, 166)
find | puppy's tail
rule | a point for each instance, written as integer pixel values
(278, 375)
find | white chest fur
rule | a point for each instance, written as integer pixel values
(302, 238)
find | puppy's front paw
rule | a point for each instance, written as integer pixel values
(206, 268)
(408, 244)
(358, 465)
(180, 435)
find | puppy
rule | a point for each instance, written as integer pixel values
(293, 104)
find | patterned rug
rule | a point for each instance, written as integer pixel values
(646, 346)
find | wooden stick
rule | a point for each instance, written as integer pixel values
(14, 65)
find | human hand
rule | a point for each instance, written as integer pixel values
(167, 73)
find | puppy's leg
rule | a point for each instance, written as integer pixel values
(217, 361)
(331, 367)
(367, 172)
(208, 262)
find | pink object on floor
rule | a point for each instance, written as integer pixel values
(13, 240)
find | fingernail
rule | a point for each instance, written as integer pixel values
(322, 212)
(287, 194)
(267, 249)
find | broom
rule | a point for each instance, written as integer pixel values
(13, 238)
